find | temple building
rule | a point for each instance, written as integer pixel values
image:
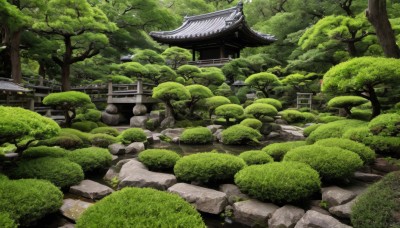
(214, 38)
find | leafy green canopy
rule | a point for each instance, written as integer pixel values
(262, 81)
(171, 91)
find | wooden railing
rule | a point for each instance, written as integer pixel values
(137, 92)
(210, 62)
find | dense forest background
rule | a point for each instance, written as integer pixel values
(86, 38)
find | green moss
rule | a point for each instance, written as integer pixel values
(294, 116)
(91, 158)
(278, 182)
(328, 119)
(44, 151)
(106, 130)
(197, 135)
(278, 150)
(141, 207)
(159, 159)
(239, 134)
(256, 157)
(385, 125)
(228, 111)
(259, 110)
(85, 137)
(85, 126)
(6, 221)
(307, 131)
(69, 141)
(253, 123)
(274, 102)
(132, 135)
(103, 140)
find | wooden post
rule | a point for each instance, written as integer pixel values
(139, 95)
(193, 55)
(110, 92)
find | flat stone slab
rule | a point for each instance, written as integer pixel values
(135, 147)
(129, 168)
(286, 217)
(204, 199)
(367, 177)
(253, 212)
(343, 211)
(146, 179)
(73, 209)
(172, 132)
(90, 189)
(116, 149)
(336, 196)
(233, 193)
(315, 219)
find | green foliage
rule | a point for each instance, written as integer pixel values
(103, 140)
(176, 56)
(213, 102)
(279, 182)
(346, 102)
(385, 125)
(28, 200)
(294, 116)
(141, 207)
(66, 141)
(58, 171)
(209, 76)
(234, 99)
(198, 135)
(240, 135)
(331, 162)
(85, 137)
(6, 221)
(278, 150)
(370, 212)
(85, 126)
(90, 115)
(120, 79)
(133, 70)
(271, 101)
(147, 56)
(365, 153)
(228, 111)
(333, 129)
(106, 130)
(44, 151)
(91, 158)
(263, 81)
(256, 157)
(159, 159)
(208, 167)
(259, 110)
(168, 91)
(360, 114)
(307, 131)
(328, 119)
(253, 123)
(131, 135)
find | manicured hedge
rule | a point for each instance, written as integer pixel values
(159, 159)
(278, 150)
(141, 207)
(132, 135)
(44, 151)
(251, 122)
(59, 171)
(256, 157)
(28, 200)
(208, 167)
(294, 116)
(66, 141)
(378, 206)
(197, 135)
(365, 153)
(307, 131)
(85, 126)
(385, 125)
(6, 221)
(91, 158)
(278, 182)
(330, 162)
(239, 134)
(85, 137)
(329, 119)
(228, 111)
(274, 102)
(105, 130)
(103, 140)
(259, 110)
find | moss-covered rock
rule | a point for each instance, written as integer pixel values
(239, 134)
(44, 151)
(91, 158)
(159, 159)
(278, 150)
(256, 157)
(197, 135)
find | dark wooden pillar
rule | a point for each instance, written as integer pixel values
(221, 51)
(193, 54)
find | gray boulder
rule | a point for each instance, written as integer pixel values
(336, 196)
(367, 177)
(116, 149)
(172, 132)
(110, 119)
(204, 199)
(111, 174)
(111, 109)
(157, 115)
(138, 121)
(290, 132)
(130, 167)
(167, 122)
(343, 211)
(218, 135)
(134, 148)
(90, 189)
(233, 193)
(146, 179)
(315, 219)
(285, 217)
(73, 209)
(253, 212)
(213, 128)
(139, 110)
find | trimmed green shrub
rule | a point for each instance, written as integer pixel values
(6, 221)
(259, 110)
(228, 111)
(92, 115)
(91, 158)
(85, 137)
(278, 150)
(44, 151)
(159, 159)
(366, 154)
(330, 162)
(28, 200)
(271, 101)
(360, 114)
(307, 131)
(234, 99)
(294, 116)
(333, 130)
(255, 157)
(378, 206)
(208, 167)
(251, 122)
(239, 134)
(385, 125)
(346, 102)
(85, 126)
(197, 135)
(132, 135)
(67, 142)
(141, 207)
(278, 182)
(59, 171)
(328, 119)
(103, 140)
(120, 79)
(105, 130)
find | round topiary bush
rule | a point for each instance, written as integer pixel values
(106, 130)
(259, 110)
(292, 116)
(132, 135)
(85, 126)
(365, 153)
(278, 150)
(255, 157)
(328, 119)
(44, 151)
(66, 142)
(385, 125)
(228, 111)
(307, 131)
(85, 137)
(208, 167)
(6, 221)
(278, 182)
(103, 140)
(28, 200)
(91, 158)
(91, 115)
(159, 159)
(59, 171)
(141, 207)
(330, 162)
(197, 135)
(346, 102)
(378, 206)
(271, 101)
(251, 122)
(239, 134)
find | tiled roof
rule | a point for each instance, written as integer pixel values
(212, 25)
(11, 86)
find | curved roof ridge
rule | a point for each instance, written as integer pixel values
(236, 9)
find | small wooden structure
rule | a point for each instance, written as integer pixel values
(13, 94)
(304, 100)
(216, 37)
(135, 93)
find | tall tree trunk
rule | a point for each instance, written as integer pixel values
(377, 15)
(15, 57)
(376, 105)
(66, 65)
(42, 69)
(351, 48)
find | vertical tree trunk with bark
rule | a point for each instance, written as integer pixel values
(377, 15)
(15, 57)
